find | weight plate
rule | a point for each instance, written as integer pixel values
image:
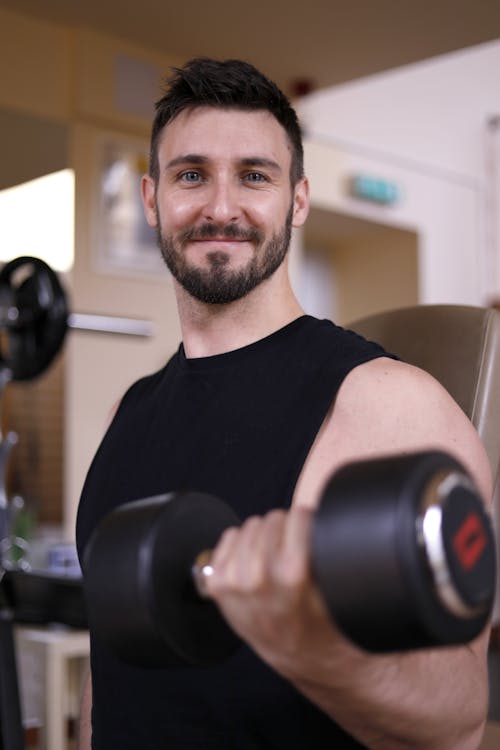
(469, 545)
(141, 596)
(33, 317)
(371, 565)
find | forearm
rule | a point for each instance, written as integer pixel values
(422, 700)
(432, 700)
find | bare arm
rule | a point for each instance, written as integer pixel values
(85, 727)
(434, 699)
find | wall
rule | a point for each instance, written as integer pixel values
(432, 113)
(75, 79)
(101, 367)
(425, 127)
(34, 410)
(42, 142)
(30, 147)
(358, 267)
(445, 215)
(37, 56)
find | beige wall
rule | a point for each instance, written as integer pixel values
(38, 58)
(374, 274)
(100, 367)
(30, 147)
(69, 77)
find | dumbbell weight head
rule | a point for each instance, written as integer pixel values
(403, 552)
(140, 593)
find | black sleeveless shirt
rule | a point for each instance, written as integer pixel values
(239, 426)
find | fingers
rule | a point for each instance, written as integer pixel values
(264, 550)
(243, 555)
(261, 583)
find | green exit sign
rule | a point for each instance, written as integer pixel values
(374, 189)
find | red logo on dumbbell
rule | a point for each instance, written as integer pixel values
(470, 541)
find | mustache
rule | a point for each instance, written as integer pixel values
(229, 231)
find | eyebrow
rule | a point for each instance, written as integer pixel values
(186, 159)
(259, 161)
(247, 161)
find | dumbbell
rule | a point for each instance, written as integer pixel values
(402, 552)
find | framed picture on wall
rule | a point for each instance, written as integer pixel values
(124, 241)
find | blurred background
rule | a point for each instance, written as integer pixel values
(400, 107)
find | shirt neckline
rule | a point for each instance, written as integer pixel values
(227, 359)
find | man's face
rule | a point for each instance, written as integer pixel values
(223, 206)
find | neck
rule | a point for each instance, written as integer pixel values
(208, 330)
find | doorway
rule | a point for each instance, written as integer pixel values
(359, 267)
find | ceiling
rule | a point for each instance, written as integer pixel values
(324, 42)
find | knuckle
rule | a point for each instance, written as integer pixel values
(275, 515)
(227, 536)
(251, 523)
(291, 572)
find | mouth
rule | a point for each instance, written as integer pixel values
(222, 235)
(219, 243)
(222, 240)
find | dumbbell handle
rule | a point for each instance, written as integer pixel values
(202, 569)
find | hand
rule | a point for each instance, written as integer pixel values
(262, 584)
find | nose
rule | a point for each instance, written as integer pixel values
(222, 203)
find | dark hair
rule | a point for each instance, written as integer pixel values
(227, 84)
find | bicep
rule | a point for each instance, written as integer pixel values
(428, 418)
(387, 408)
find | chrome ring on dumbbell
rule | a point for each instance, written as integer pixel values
(452, 528)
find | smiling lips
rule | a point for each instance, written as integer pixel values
(229, 233)
(223, 239)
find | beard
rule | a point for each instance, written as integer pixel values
(218, 284)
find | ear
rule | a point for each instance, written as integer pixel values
(148, 192)
(300, 202)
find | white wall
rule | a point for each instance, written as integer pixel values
(445, 215)
(431, 113)
(425, 127)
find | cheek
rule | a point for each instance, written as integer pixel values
(264, 210)
(175, 214)
(271, 217)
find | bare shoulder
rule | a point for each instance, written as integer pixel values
(386, 407)
(399, 394)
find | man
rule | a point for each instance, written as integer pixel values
(259, 406)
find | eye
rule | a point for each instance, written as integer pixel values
(190, 176)
(255, 177)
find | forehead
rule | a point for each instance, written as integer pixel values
(225, 134)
